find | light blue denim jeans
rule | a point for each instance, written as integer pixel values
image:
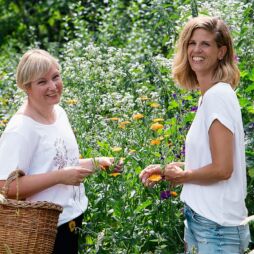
(203, 236)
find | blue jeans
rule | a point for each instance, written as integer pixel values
(203, 236)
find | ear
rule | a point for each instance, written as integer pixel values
(222, 52)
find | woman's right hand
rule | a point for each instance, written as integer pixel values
(154, 169)
(74, 175)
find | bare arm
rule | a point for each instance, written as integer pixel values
(221, 168)
(31, 184)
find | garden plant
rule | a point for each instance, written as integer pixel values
(122, 102)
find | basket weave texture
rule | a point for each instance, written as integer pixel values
(27, 227)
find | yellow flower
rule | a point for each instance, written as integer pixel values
(80, 156)
(155, 141)
(138, 116)
(72, 225)
(115, 174)
(173, 194)
(156, 126)
(155, 178)
(155, 105)
(123, 124)
(4, 121)
(132, 151)
(156, 120)
(72, 101)
(116, 149)
(144, 98)
(114, 118)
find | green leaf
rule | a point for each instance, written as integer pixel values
(143, 206)
(251, 172)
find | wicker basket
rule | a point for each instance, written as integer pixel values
(26, 227)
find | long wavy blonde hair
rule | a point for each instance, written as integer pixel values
(226, 70)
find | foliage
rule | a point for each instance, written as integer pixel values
(116, 66)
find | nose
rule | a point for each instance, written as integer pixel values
(197, 48)
(52, 84)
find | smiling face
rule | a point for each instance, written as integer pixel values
(203, 53)
(46, 90)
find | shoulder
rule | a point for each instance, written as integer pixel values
(60, 112)
(221, 90)
(20, 127)
(220, 93)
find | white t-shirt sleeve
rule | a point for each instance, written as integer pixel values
(218, 107)
(14, 154)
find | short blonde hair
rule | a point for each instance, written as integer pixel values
(226, 70)
(33, 64)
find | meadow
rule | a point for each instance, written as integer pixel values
(122, 102)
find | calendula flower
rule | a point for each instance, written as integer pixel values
(114, 119)
(72, 102)
(173, 194)
(116, 149)
(137, 116)
(144, 98)
(123, 124)
(156, 120)
(115, 174)
(155, 177)
(155, 141)
(155, 105)
(156, 126)
(72, 225)
(4, 121)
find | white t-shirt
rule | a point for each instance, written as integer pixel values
(38, 148)
(222, 202)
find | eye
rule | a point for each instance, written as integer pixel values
(41, 82)
(205, 43)
(56, 77)
(191, 43)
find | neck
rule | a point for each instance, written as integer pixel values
(42, 115)
(204, 83)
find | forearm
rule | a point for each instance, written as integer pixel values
(208, 174)
(30, 184)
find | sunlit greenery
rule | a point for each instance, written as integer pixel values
(116, 65)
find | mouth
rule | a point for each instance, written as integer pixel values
(52, 95)
(197, 59)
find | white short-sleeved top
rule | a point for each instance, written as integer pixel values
(222, 202)
(38, 148)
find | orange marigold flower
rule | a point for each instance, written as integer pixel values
(138, 116)
(72, 225)
(155, 141)
(173, 194)
(156, 120)
(123, 124)
(116, 149)
(115, 174)
(156, 126)
(155, 177)
(114, 118)
(155, 105)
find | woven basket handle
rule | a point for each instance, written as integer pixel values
(13, 176)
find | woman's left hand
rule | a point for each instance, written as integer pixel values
(105, 163)
(174, 173)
